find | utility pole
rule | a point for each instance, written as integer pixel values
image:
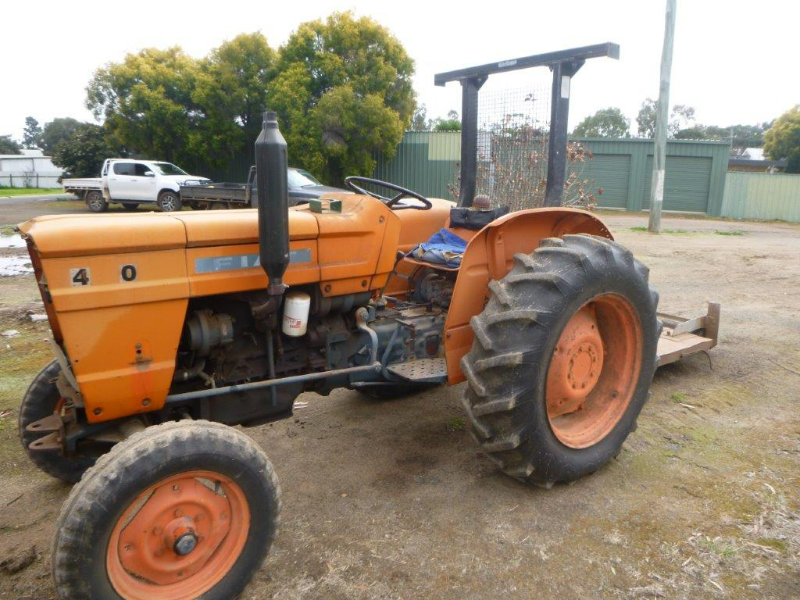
(662, 117)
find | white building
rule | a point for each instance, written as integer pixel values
(29, 169)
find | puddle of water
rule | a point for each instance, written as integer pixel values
(15, 265)
(11, 241)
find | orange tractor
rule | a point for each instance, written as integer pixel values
(168, 329)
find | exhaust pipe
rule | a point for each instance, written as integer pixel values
(273, 203)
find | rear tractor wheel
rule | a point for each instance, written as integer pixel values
(179, 511)
(563, 358)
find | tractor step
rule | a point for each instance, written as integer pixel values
(424, 370)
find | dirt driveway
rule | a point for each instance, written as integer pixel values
(392, 500)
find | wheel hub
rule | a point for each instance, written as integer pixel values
(175, 532)
(576, 364)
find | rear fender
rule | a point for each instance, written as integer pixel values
(489, 255)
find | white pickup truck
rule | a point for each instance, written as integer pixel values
(132, 182)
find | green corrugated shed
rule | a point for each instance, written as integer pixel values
(622, 168)
(695, 178)
(762, 196)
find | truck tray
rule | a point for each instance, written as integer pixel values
(682, 337)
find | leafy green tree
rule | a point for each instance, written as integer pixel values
(83, 153)
(32, 134)
(420, 122)
(681, 117)
(231, 92)
(451, 123)
(146, 103)
(698, 132)
(9, 146)
(56, 131)
(782, 140)
(343, 93)
(605, 123)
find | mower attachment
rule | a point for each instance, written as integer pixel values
(682, 337)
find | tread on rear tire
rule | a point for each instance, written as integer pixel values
(515, 336)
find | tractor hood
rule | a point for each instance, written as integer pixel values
(85, 235)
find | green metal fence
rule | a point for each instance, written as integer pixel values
(762, 196)
(428, 162)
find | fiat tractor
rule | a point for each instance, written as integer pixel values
(170, 330)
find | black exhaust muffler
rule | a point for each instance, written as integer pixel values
(272, 166)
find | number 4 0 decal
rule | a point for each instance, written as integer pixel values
(83, 276)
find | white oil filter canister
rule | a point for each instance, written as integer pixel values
(295, 313)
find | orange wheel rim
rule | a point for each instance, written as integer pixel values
(179, 538)
(593, 371)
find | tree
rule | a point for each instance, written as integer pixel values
(231, 92)
(56, 131)
(451, 123)
(146, 102)
(32, 134)
(681, 117)
(343, 92)
(605, 123)
(9, 146)
(782, 140)
(83, 153)
(420, 122)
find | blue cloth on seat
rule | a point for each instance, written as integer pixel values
(443, 248)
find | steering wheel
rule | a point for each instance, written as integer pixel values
(353, 183)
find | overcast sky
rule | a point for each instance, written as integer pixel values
(736, 61)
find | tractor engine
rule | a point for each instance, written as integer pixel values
(226, 341)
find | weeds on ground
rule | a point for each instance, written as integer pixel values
(670, 231)
(455, 424)
(735, 232)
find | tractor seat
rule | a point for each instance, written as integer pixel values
(446, 247)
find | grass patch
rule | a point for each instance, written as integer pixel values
(734, 232)
(11, 192)
(7, 229)
(677, 397)
(774, 543)
(456, 424)
(671, 231)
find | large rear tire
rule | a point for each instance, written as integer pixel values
(563, 358)
(42, 400)
(180, 511)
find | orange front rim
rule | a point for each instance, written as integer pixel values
(594, 371)
(178, 538)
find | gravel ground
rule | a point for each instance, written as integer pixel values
(392, 500)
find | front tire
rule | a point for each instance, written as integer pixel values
(181, 510)
(169, 201)
(42, 400)
(96, 202)
(563, 358)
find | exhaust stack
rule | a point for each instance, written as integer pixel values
(273, 203)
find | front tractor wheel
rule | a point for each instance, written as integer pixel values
(42, 400)
(179, 511)
(563, 359)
